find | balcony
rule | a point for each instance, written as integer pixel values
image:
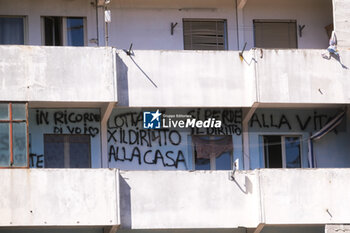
(173, 199)
(61, 74)
(150, 78)
(209, 199)
(59, 197)
(222, 79)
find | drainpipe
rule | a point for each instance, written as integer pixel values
(237, 34)
(97, 28)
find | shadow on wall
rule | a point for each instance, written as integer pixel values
(336, 57)
(248, 186)
(125, 204)
(122, 82)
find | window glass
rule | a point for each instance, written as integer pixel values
(18, 111)
(223, 162)
(4, 145)
(292, 152)
(75, 31)
(11, 30)
(4, 111)
(19, 144)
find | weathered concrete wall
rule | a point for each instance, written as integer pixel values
(295, 196)
(59, 197)
(33, 10)
(314, 35)
(132, 147)
(341, 12)
(32, 73)
(185, 79)
(302, 76)
(146, 24)
(181, 199)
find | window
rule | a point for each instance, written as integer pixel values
(205, 34)
(275, 33)
(212, 152)
(282, 151)
(11, 30)
(67, 151)
(13, 135)
(58, 31)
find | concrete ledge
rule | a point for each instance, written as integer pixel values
(62, 74)
(59, 197)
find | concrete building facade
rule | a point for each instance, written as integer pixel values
(174, 116)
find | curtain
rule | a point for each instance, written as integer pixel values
(11, 30)
(207, 146)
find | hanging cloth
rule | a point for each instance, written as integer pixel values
(207, 146)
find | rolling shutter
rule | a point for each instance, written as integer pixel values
(204, 34)
(275, 34)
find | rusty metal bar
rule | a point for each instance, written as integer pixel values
(11, 134)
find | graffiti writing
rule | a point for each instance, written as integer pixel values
(290, 122)
(69, 121)
(36, 160)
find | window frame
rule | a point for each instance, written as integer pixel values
(10, 121)
(283, 148)
(64, 29)
(225, 36)
(25, 25)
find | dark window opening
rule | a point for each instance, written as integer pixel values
(273, 151)
(282, 151)
(60, 31)
(53, 31)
